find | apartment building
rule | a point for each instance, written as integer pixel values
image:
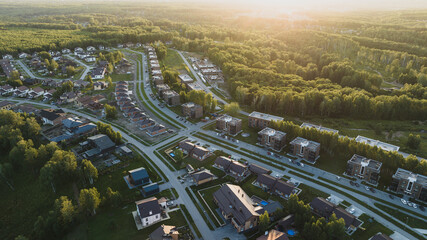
(261, 120)
(309, 150)
(228, 124)
(271, 138)
(406, 182)
(364, 168)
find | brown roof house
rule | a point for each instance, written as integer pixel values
(5, 105)
(156, 130)
(236, 205)
(52, 116)
(256, 169)
(203, 176)
(186, 146)
(192, 110)
(234, 168)
(165, 232)
(409, 183)
(364, 168)
(228, 124)
(324, 208)
(275, 185)
(308, 150)
(380, 236)
(272, 138)
(200, 153)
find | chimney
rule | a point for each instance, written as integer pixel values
(150, 213)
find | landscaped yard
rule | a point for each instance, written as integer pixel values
(411, 221)
(118, 223)
(207, 195)
(120, 77)
(371, 227)
(308, 193)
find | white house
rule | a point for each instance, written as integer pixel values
(36, 92)
(21, 91)
(78, 49)
(100, 47)
(120, 45)
(91, 49)
(149, 211)
(98, 73)
(8, 56)
(6, 89)
(90, 59)
(23, 55)
(66, 51)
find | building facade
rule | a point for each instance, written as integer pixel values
(271, 138)
(308, 150)
(228, 124)
(261, 120)
(406, 182)
(364, 168)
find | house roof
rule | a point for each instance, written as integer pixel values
(38, 89)
(157, 127)
(148, 207)
(233, 200)
(202, 175)
(349, 219)
(380, 236)
(284, 187)
(200, 151)
(102, 141)
(163, 231)
(223, 161)
(238, 167)
(273, 235)
(266, 180)
(312, 145)
(85, 128)
(258, 169)
(22, 88)
(72, 122)
(151, 187)
(186, 145)
(139, 173)
(51, 114)
(5, 103)
(322, 205)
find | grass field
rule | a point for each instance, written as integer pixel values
(413, 222)
(371, 227)
(308, 193)
(120, 77)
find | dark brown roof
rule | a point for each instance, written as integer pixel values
(233, 200)
(163, 232)
(349, 219)
(237, 167)
(381, 236)
(258, 169)
(202, 175)
(148, 207)
(223, 161)
(266, 180)
(200, 151)
(186, 145)
(324, 207)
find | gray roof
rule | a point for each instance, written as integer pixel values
(410, 176)
(148, 207)
(238, 167)
(265, 116)
(319, 128)
(5, 103)
(200, 151)
(272, 133)
(202, 175)
(365, 162)
(233, 200)
(102, 141)
(306, 143)
(380, 236)
(258, 169)
(163, 232)
(223, 161)
(186, 145)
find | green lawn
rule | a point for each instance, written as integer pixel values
(369, 229)
(174, 62)
(413, 222)
(308, 193)
(118, 224)
(337, 167)
(120, 77)
(207, 195)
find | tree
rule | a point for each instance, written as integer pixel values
(89, 200)
(89, 171)
(70, 70)
(65, 209)
(179, 155)
(113, 198)
(232, 108)
(53, 65)
(264, 221)
(413, 141)
(110, 111)
(20, 237)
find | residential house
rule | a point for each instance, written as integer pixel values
(165, 232)
(138, 177)
(171, 97)
(26, 108)
(100, 85)
(23, 55)
(69, 97)
(90, 59)
(308, 150)
(409, 183)
(91, 49)
(236, 205)
(21, 91)
(146, 123)
(66, 51)
(48, 95)
(52, 116)
(36, 92)
(273, 235)
(98, 73)
(138, 116)
(150, 189)
(81, 84)
(156, 130)
(200, 153)
(364, 168)
(380, 236)
(261, 120)
(229, 124)
(319, 128)
(203, 176)
(6, 89)
(6, 105)
(192, 110)
(324, 208)
(99, 144)
(234, 168)
(7, 57)
(272, 138)
(186, 146)
(258, 170)
(275, 185)
(7, 67)
(148, 211)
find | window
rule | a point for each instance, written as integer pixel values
(362, 170)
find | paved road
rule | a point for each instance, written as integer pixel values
(199, 80)
(86, 67)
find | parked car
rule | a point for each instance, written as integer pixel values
(367, 188)
(356, 184)
(414, 205)
(422, 208)
(403, 201)
(391, 196)
(352, 210)
(410, 204)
